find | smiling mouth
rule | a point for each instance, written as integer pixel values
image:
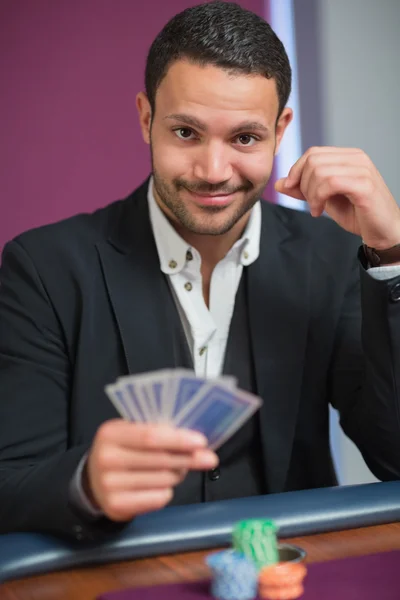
(204, 199)
(206, 195)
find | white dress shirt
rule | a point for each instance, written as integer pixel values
(206, 328)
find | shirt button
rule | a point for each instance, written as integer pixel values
(202, 350)
(246, 255)
(78, 532)
(189, 255)
(395, 293)
(188, 286)
(214, 474)
(172, 264)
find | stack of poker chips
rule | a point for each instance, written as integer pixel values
(234, 576)
(256, 539)
(283, 581)
(252, 566)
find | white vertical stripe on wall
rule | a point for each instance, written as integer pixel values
(282, 22)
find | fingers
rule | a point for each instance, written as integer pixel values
(203, 460)
(329, 181)
(318, 176)
(122, 506)
(120, 459)
(151, 436)
(282, 188)
(324, 155)
(133, 467)
(142, 480)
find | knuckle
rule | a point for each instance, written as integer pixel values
(105, 432)
(367, 185)
(149, 437)
(167, 478)
(333, 181)
(319, 195)
(312, 161)
(319, 172)
(164, 498)
(107, 483)
(113, 508)
(103, 458)
(303, 188)
(164, 461)
(312, 151)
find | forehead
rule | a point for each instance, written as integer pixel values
(213, 93)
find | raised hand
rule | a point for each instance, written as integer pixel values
(346, 184)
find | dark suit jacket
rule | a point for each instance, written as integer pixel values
(82, 302)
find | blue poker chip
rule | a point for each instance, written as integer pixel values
(235, 577)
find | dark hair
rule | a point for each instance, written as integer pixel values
(222, 34)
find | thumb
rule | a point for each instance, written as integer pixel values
(282, 188)
(279, 185)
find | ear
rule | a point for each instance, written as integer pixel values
(283, 122)
(144, 112)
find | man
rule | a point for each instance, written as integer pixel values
(192, 270)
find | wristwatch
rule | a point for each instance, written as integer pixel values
(380, 258)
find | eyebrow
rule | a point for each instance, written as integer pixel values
(248, 126)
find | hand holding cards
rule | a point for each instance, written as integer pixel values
(215, 408)
(172, 422)
(132, 468)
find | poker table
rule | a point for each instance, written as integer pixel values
(167, 548)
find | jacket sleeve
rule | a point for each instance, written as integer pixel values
(365, 372)
(36, 462)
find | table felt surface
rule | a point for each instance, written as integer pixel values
(372, 577)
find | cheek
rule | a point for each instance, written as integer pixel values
(256, 167)
(170, 160)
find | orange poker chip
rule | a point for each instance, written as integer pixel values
(284, 593)
(282, 574)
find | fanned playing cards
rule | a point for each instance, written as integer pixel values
(215, 407)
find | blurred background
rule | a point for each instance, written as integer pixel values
(70, 71)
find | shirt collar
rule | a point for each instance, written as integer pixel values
(173, 251)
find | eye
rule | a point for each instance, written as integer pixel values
(245, 139)
(184, 133)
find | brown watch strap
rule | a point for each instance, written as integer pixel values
(380, 258)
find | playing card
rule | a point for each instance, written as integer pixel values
(117, 399)
(134, 401)
(184, 385)
(146, 389)
(218, 412)
(214, 407)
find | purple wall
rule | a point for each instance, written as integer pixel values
(70, 71)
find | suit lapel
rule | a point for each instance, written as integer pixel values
(278, 284)
(137, 288)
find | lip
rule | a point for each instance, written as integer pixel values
(212, 200)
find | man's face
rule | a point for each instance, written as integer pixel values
(213, 139)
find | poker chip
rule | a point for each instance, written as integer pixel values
(282, 581)
(288, 572)
(234, 576)
(285, 593)
(256, 539)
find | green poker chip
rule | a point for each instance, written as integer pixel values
(256, 539)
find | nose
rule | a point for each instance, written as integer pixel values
(212, 163)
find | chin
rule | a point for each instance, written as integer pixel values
(209, 228)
